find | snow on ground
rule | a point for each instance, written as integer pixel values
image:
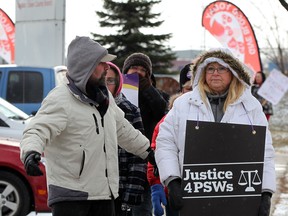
(279, 129)
(279, 120)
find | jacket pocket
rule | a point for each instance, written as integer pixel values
(82, 163)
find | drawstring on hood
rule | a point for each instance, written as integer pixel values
(84, 54)
(226, 59)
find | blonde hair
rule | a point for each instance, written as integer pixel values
(187, 85)
(235, 90)
(173, 98)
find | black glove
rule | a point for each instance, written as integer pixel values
(175, 194)
(31, 163)
(144, 83)
(151, 157)
(264, 209)
(156, 171)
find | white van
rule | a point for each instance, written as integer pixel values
(12, 120)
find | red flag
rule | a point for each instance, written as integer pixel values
(229, 25)
(7, 38)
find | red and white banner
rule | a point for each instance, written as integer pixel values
(228, 24)
(7, 38)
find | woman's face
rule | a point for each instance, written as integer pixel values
(137, 69)
(258, 78)
(111, 81)
(218, 77)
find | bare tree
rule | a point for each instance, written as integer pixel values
(276, 52)
(284, 4)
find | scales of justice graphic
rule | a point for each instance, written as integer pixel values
(253, 179)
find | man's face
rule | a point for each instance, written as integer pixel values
(97, 78)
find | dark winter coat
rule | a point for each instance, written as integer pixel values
(153, 105)
(266, 105)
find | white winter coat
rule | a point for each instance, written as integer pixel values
(171, 138)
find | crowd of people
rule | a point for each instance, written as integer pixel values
(99, 147)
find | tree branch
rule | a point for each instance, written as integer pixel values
(284, 4)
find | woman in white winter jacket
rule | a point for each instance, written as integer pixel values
(221, 93)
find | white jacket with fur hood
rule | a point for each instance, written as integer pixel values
(171, 138)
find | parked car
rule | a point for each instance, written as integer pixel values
(12, 120)
(26, 87)
(167, 83)
(19, 193)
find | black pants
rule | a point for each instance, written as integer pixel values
(84, 208)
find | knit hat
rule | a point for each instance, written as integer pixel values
(185, 75)
(84, 54)
(137, 59)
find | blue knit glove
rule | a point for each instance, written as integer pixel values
(158, 197)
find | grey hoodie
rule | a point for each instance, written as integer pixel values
(83, 56)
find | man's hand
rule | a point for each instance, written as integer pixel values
(31, 163)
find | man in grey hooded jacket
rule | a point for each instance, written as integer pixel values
(77, 128)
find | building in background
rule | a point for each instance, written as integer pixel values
(40, 33)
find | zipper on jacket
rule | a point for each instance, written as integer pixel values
(96, 123)
(102, 121)
(82, 163)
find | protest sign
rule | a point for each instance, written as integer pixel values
(222, 169)
(274, 87)
(130, 87)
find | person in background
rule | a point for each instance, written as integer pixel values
(153, 105)
(221, 93)
(266, 105)
(77, 128)
(132, 169)
(158, 192)
(185, 78)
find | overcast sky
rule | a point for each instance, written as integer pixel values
(182, 18)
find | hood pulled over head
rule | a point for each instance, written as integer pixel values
(84, 54)
(226, 59)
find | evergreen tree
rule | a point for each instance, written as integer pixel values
(126, 20)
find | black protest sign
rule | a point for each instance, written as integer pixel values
(222, 169)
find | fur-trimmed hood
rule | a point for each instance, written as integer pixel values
(226, 59)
